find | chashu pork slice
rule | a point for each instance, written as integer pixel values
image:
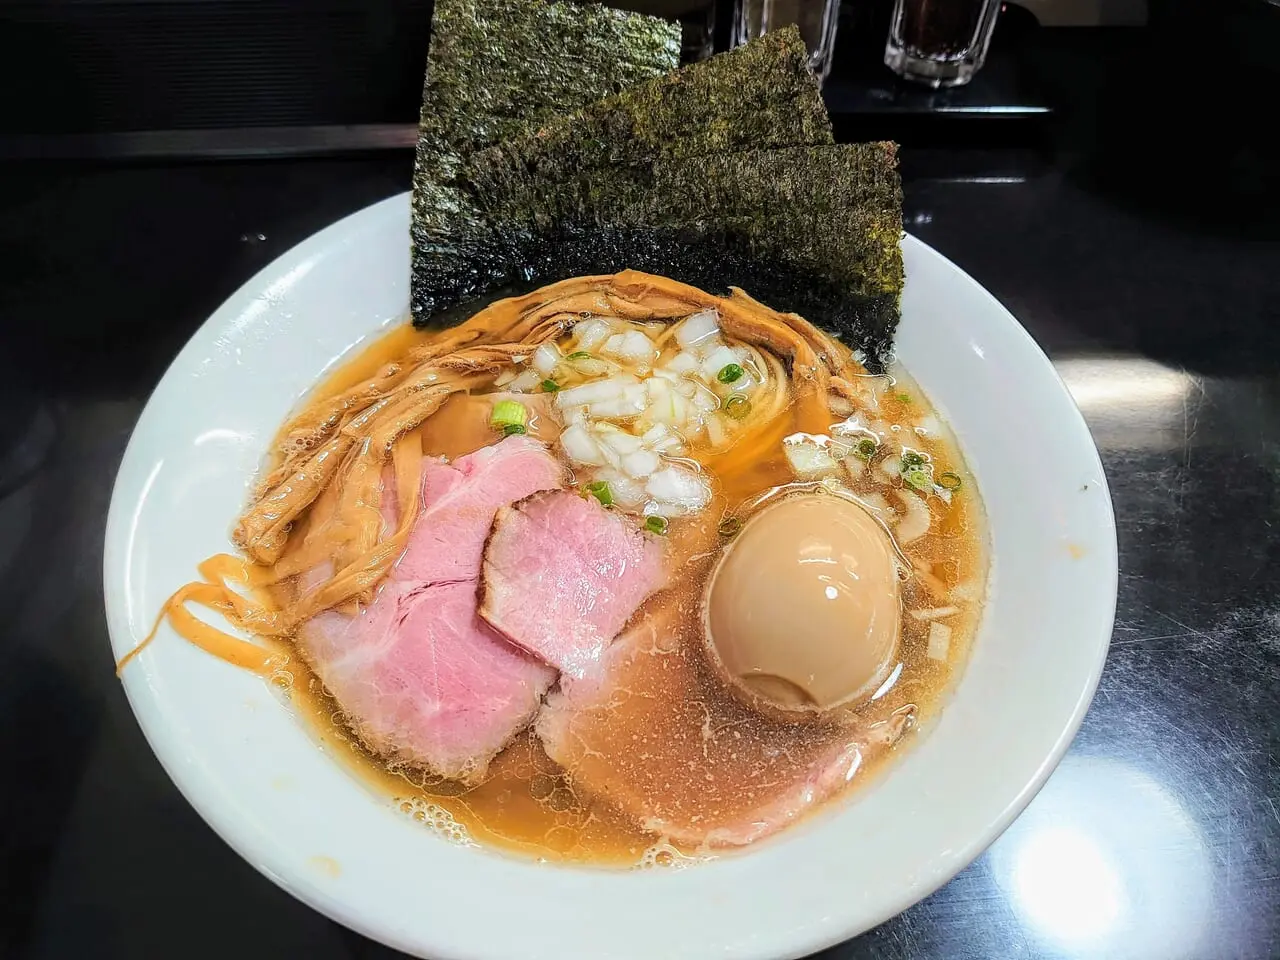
(419, 676)
(424, 681)
(562, 576)
(649, 729)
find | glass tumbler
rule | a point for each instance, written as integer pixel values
(940, 43)
(816, 20)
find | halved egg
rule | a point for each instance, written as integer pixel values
(802, 614)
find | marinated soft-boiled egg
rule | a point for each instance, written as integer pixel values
(802, 614)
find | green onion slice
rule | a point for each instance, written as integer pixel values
(550, 386)
(866, 448)
(910, 458)
(730, 373)
(729, 526)
(737, 407)
(508, 413)
(950, 481)
(918, 478)
(579, 355)
(600, 490)
(511, 429)
(904, 398)
(656, 524)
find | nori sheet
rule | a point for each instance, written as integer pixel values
(723, 173)
(758, 96)
(494, 66)
(815, 230)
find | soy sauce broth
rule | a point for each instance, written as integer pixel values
(528, 806)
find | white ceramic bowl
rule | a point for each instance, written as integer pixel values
(256, 776)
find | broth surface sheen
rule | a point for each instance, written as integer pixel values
(528, 806)
(741, 410)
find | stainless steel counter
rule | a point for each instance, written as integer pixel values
(1158, 837)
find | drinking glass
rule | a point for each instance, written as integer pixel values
(815, 18)
(941, 43)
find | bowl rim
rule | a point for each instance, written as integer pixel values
(818, 932)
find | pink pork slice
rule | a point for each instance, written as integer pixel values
(460, 500)
(562, 576)
(419, 676)
(649, 730)
(423, 680)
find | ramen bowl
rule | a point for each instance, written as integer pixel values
(257, 776)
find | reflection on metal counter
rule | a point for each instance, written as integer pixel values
(1107, 861)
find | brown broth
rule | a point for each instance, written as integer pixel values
(527, 805)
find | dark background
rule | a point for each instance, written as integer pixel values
(1114, 188)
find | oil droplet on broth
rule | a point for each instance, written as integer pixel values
(435, 818)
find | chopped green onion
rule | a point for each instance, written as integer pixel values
(656, 525)
(949, 481)
(730, 373)
(600, 490)
(508, 413)
(910, 458)
(729, 526)
(550, 386)
(904, 398)
(866, 448)
(737, 407)
(511, 429)
(579, 355)
(919, 478)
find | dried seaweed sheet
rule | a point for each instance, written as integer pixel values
(816, 230)
(495, 65)
(723, 173)
(760, 95)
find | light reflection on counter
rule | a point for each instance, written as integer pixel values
(1106, 862)
(1113, 393)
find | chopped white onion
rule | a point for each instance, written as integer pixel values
(703, 398)
(703, 324)
(655, 435)
(682, 363)
(580, 446)
(915, 522)
(678, 490)
(591, 333)
(572, 415)
(525, 382)
(939, 641)
(717, 360)
(640, 464)
(545, 358)
(619, 409)
(625, 491)
(808, 459)
(716, 433)
(891, 467)
(672, 409)
(935, 613)
(591, 366)
(854, 467)
(618, 440)
(588, 393)
(632, 346)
